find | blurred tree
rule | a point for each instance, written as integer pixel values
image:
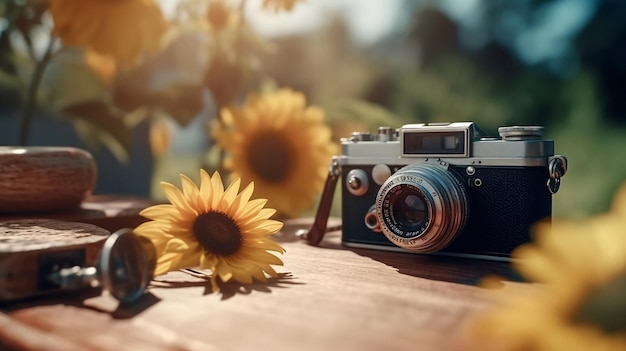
(602, 48)
(452, 82)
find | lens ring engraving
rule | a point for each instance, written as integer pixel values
(407, 210)
(446, 207)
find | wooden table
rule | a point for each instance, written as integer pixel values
(110, 212)
(326, 298)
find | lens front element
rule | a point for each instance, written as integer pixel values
(409, 210)
(422, 207)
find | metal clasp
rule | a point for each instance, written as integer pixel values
(557, 167)
(125, 268)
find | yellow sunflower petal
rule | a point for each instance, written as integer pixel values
(266, 226)
(172, 230)
(574, 261)
(230, 195)
(266, 213)
(258, 274)
(251, 209)
(270, 128)
(206, 191)
(208, 261)
(152, 230)
(190, 190)
(243, 272)
(174, 195)
(158, 211)
(262, 257)
(618, 207)
(241, 276)
(223, 271)
(172, 261)
(266, 245)
(176, 245)
(218, 190)
(253, 271)
(256, 215)
(125, 30)
(242, 199)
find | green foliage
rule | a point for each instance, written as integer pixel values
(442, 81)
(170, 81)
(593, 148)
(452, 90)
(423, 74)
(70, 89)
(195, 58)
(100, 124)
(67, 80)
(365, 116)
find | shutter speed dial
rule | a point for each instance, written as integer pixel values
(357, 182)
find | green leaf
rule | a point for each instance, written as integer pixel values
(170, 81)
(97, 124)
(360, 109)
(8, 82)
(348, 115)
(68, 81)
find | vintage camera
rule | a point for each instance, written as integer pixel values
(446, 188)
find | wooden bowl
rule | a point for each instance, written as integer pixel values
(44, 179)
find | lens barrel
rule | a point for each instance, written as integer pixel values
(422, 207)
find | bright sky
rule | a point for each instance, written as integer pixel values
(368, 20)
(556, 24)
(547, 37)
(371, 20)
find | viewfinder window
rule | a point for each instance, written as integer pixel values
(436, 143)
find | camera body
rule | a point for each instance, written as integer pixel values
(446, 188)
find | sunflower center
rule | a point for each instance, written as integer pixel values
(217, 15)
(270, 156)
(217, 233)
(605, 307)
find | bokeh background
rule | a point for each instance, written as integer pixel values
(557, 63)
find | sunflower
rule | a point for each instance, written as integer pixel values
(220, 16)
(279, 143)
(581, 301)
(123, 29)
(212, 228)
(235, 47)
(103, 66)
(278, 5)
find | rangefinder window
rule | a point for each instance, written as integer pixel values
(438, 143)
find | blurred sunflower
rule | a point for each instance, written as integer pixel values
(123, 29)
(279, 143)
(581, 304)
(278, 5)
(235, 46)
(160, 136)
(103, 66)
(221, 16)
(212, 228)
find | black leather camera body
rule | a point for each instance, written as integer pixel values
(446, 188)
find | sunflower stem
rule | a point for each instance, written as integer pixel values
(30, 103)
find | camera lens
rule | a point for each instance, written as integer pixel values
(409, 209)
(422, 207)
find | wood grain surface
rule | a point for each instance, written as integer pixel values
(110, 212)
(326, 298)
(41, 179)
(25, 244)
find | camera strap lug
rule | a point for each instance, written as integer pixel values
(557, 167)
(319, 228)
